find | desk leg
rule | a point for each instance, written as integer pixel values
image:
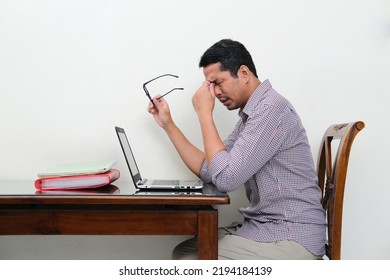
(208, 235)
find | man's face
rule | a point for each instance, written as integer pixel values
(228, 89)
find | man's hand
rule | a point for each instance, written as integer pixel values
(160, 111)
(204, 99)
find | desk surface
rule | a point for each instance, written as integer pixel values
(113, 210)
(24, 192)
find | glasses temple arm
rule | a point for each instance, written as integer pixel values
(160, 77)
(169, 92)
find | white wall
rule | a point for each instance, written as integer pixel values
(71, 70)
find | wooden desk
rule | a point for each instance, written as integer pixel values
(24, 212)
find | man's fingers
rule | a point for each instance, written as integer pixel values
(211, 89)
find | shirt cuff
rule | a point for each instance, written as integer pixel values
(209, 173)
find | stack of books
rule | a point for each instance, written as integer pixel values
(77, 176)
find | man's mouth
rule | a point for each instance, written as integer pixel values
(224, 100)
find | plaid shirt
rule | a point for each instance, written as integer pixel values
(268, 152)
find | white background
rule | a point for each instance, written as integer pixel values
(72, 70)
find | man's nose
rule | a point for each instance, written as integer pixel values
(217, 90)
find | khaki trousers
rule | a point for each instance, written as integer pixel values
(234, 247)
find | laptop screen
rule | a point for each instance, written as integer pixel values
(128, 154)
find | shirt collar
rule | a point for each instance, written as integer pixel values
(254, 99)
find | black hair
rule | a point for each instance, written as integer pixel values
(231, 54)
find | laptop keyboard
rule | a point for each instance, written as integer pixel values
(166, 182)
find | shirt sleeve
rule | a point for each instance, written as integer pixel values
(258, 141)
(205, 174)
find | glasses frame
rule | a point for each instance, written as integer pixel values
(164, 75)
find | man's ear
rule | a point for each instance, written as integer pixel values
(244, 73)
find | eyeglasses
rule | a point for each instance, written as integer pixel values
(147, 92)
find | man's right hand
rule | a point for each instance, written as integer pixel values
(160, 111)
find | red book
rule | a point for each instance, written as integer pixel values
(77, 181)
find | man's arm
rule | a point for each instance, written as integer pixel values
(191, 155)
(204, 101)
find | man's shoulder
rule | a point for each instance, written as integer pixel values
(268, 100)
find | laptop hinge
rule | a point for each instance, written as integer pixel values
(141, 182)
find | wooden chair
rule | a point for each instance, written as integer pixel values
(331, 179)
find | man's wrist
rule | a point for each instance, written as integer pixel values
(205, 117)
(170, 127)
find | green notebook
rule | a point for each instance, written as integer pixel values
(78, 168)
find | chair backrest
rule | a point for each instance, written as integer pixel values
(331, 179)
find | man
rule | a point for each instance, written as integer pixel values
(267, 152)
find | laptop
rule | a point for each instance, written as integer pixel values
(150, 184)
